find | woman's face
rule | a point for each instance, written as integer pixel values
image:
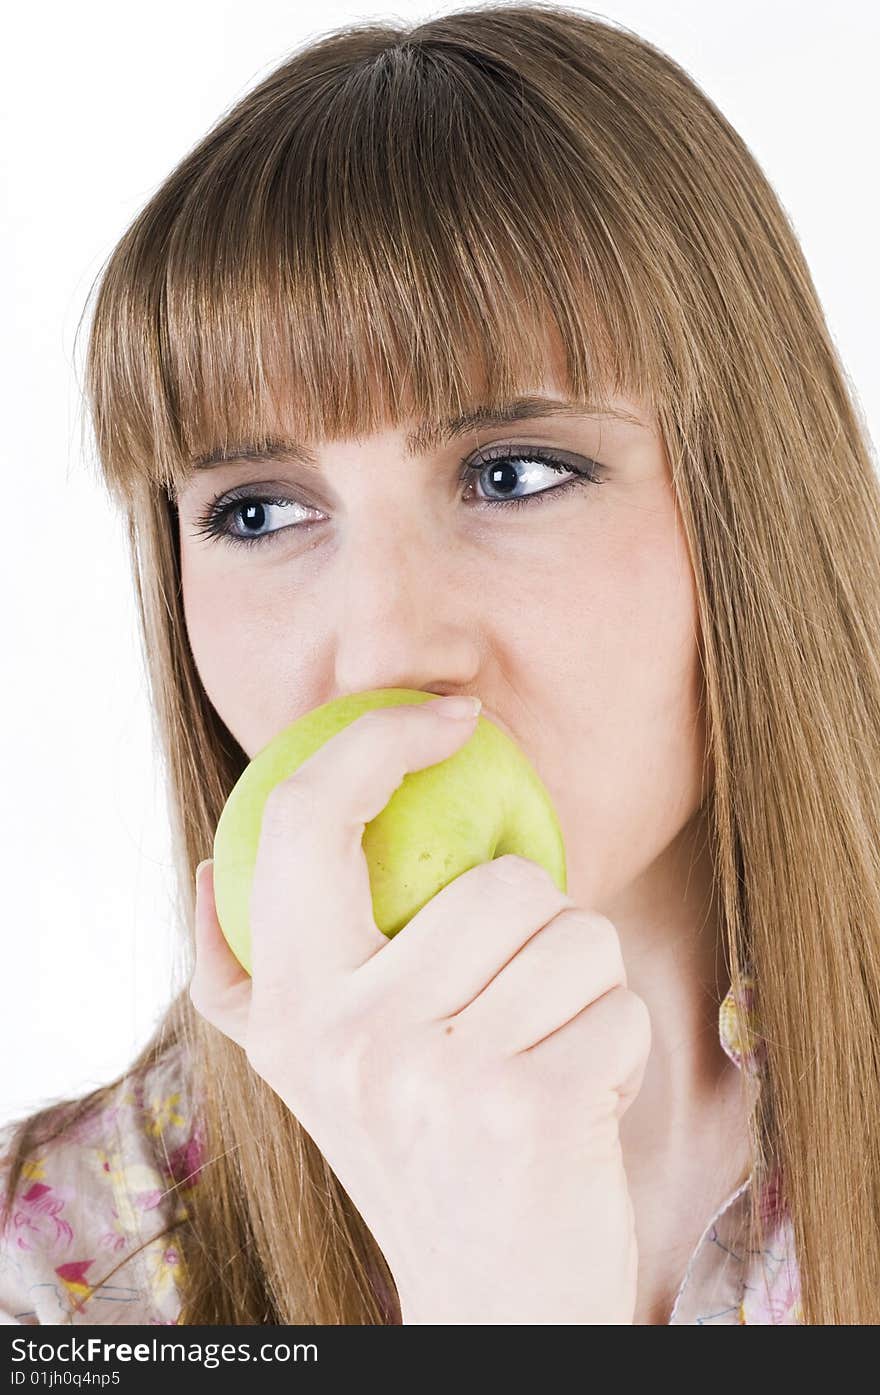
(573, 617)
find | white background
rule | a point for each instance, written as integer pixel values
(98, 102)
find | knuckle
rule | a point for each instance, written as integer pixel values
(408, 1089)
(633, 1047)
(638, 1018)
(376, 1074)
(203, 999)
(605, 925)
(576, 920)
(290, 803)
(379, 717)
(513, 870)
(600, 935)
(628, 1029)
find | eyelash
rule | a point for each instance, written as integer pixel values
(212, 523)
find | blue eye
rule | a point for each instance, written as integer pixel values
(502, 468)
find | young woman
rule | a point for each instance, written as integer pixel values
(479, 357)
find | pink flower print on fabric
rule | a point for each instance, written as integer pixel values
(116, 1237)
(779, 1301)
(185, 1162)
(137, 1187)
(165, 1270)
(162, 1113)
(74, 1282)
(37, 1223)
(772, 1296)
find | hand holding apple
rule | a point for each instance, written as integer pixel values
(481, 802)
(465, 1080)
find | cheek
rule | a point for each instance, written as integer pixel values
(634, 721)
(248, 653)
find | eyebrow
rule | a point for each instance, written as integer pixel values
(278, 450)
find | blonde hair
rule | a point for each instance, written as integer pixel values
(389, 206)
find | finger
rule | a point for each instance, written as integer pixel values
(465, 935)
(220, 988)
(561, 970)
(606, 1047)
(311, 909)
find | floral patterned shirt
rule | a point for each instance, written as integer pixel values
(88, 1239)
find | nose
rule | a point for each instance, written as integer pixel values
(405, 613)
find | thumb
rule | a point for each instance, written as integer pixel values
(220, 989)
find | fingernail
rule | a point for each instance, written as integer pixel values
(456, 707)
(201, 865)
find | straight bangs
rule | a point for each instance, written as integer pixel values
(406, 238)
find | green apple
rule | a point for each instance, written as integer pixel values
(484, 800)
